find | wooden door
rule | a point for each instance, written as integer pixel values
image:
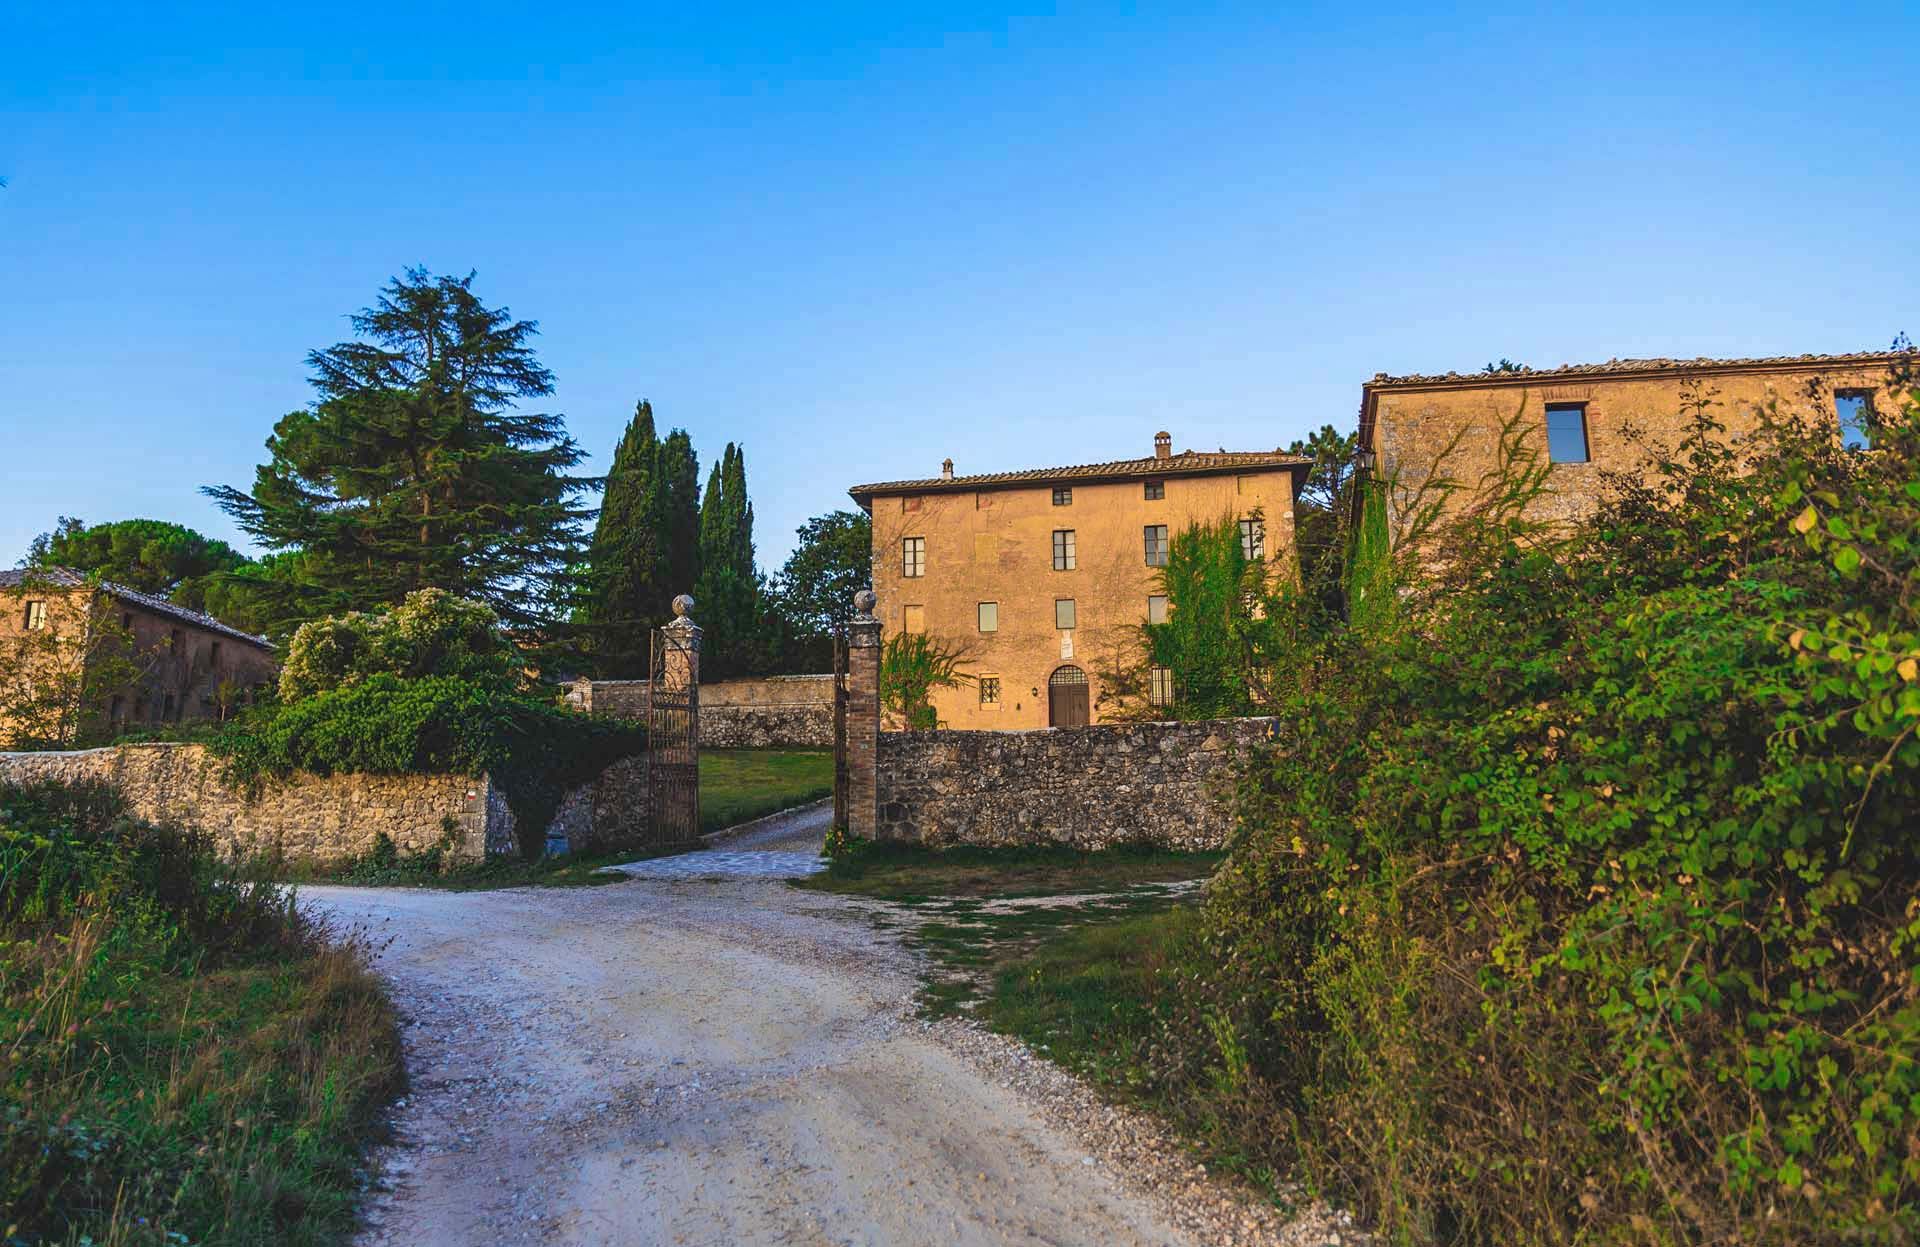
(1067, 699)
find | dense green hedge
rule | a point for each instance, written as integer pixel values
(1580, 904)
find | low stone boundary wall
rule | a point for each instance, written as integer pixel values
(332, 818)
(772, 712)
(1162, 784)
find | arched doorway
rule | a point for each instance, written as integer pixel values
(1067, 702)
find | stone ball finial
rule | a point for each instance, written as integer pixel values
(865, 600)
(683, 605)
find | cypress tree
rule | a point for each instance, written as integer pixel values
(415, 468)
(626, 572)
(677, 516)
(729, 586)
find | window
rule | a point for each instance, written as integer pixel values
(116, 710)
(1853, 409)
(35, 617)
(913, 557)
(126, 621)
(1160, 686)
(1063, 614)
(989, 690)
(989, 616)
(1063, 549)
(213, 654)
(1156, 490)
(1253, 540)
(1157, 608)
(913, 620)
(140, 708)
(178, 642)
(1567, 432)
(1062, 496)
(1156, 535)
(169, 715)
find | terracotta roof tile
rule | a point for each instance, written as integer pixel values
(1630, 366)
(1187, 463)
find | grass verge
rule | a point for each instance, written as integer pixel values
(910, 873)
(189, 1061)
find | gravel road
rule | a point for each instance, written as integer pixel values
(720, 1060)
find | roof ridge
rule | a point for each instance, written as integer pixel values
(1147, 466)
(67, 578)
(1651, 364)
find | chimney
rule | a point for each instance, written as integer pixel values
(946, 469)
(1163, 445)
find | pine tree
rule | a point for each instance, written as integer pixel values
(729, 592)
(415, 469)
(626, 590)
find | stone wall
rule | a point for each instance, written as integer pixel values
(1090, 787)
(771, 712)
(326, 819)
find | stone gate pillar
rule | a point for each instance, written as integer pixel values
(673, 728)
(863, 718)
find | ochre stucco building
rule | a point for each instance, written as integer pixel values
(1417, 429)
(1041, 578)
(187, 665)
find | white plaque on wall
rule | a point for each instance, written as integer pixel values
(1066, 645)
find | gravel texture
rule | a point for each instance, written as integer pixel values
(727, 1060)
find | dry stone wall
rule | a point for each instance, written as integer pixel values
(1163, 784)
(333, 818)
(773, 712)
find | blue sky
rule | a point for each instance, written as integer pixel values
(863, 238)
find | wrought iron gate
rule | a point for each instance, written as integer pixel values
(673, 733)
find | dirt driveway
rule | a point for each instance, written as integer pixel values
(686, 1060)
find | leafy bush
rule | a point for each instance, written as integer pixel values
(431, 633)
(1581, 902)
(189, 1059)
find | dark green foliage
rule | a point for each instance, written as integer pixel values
(1579, 903)
(1320, 518)
(677, 514)
(189, 1059)
(728, 594)
(153, 556)
(813, 594)
(626, 590)
(415, 469)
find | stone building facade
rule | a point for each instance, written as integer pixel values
(186, 665)
(1041, 578)
(1588, 419)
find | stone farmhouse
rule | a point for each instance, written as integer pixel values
(1040, 578)
(1416, 430)
(187, 665)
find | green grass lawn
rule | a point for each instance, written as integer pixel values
(737, 785)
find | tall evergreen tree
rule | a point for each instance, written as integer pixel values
(415, 468)
(729, 593)
(677, 513)
(626, 588)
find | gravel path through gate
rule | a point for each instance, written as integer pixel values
(715, 1058)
